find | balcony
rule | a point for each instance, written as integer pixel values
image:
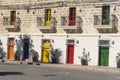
(65, 23)
(113, 23)
(41, 23)
(7, 23)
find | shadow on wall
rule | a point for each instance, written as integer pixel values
(19, 50)
(2, 53)
(55, 55)
(34, 55)
(19, 46)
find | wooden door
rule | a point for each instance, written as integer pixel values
(70, 52)
(103, 55)
(72, 16)
(25, 49)
(13, 18)
(11, 49)
(48, 17)
(46, 51)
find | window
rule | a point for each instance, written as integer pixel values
(13, 18)
(72, 16)
(104, 42)
(47, 17)
(105, 15)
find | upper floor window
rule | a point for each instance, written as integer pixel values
(72, 16)
(47, 17)
(13, 18)
(105, 15)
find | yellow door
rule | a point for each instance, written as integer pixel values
(46, 51)
(11, 49)
(48, 17)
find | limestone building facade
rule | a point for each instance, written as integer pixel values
(73, 27)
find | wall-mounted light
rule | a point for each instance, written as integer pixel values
(114, 8)
(18, 13)
(42, 35)
(1, 14)
(77, 41)
(113, 42)
(80, 10)
(33, 12)
(52, 41)
(67, 36)
(0, 42)
(28, 10)
(31, 41)
(16, 40)
(99, 36)
(54, 11)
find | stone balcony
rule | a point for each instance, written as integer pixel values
(113, 22)
(66, 23)
(8, 25)
(41, 23)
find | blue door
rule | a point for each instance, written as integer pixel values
(25, 49)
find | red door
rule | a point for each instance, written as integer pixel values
(70, 52)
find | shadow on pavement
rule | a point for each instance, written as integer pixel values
(11, 73)
(49, 75)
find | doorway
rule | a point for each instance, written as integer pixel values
(11, 48)
(70, 53)
(103, 55)
(45, 51)
(25, 49)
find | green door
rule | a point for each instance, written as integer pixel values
(103, 55)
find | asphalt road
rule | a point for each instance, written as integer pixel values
(39, 72)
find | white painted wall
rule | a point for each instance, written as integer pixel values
(91, 45)
(4, 44)
(60, 42)
(37, 44)
(114, 49)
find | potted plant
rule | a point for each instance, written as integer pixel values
(84, 58)
(17, 55)
(55, 54)
(118, 60)
(35, 56)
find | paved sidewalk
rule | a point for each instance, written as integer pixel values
(71, 66)
(90, 68)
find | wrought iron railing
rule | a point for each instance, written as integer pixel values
(7, 22)
(113, 21)
(65, 22)
(41, 23)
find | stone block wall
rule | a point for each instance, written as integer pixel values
(29, 18)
